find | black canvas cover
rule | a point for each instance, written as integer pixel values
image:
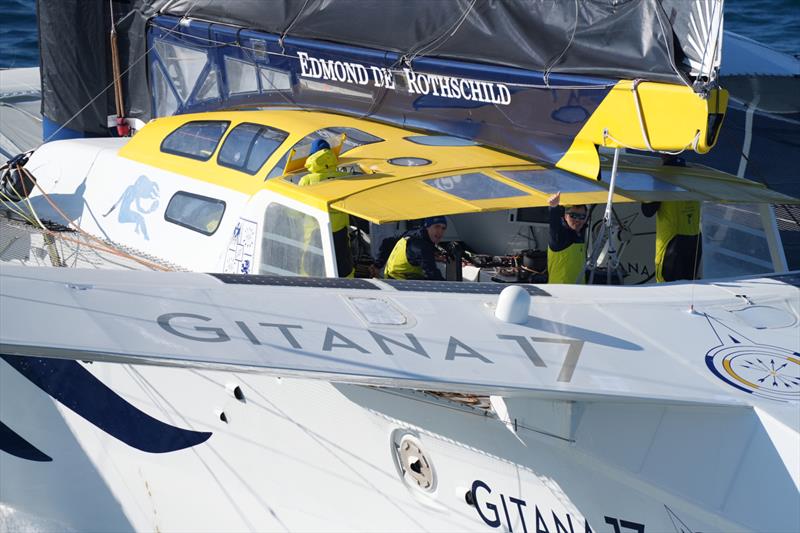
(615, 39)
(75, 60)
(608, 38)
(75, 65)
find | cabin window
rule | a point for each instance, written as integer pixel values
(531, 215)
(196, 140)
(353, 139)
(551, 180)
(241, 76)
(291, 244)
(183, 65)
(440, 140)
(639, 181)
(474, 186)
(248, 146)
(209, 90)
(198, 213)
(274, 80)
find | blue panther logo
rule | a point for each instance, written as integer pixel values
(137, 200)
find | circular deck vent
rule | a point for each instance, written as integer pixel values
(413, 462)
(409, 161)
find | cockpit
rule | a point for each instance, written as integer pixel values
(250, 198)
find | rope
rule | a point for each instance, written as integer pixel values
(70, 224)
(441, 39)
(639, 114)
(668, 46)
(643, 126)
(693, 144)
(291, 24)
(553, 63)
(107, 87)
(118, 100)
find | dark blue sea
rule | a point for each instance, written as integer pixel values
(773, 22)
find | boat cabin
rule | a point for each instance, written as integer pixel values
(220, 192)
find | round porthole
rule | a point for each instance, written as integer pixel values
(413, 462)
(409, 161)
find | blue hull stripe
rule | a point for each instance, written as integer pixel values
(12, 443)
(76, 388)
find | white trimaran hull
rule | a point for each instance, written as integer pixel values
(645, 429)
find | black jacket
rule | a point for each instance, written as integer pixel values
(561, 235)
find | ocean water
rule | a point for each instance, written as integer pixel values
(19, 45)
(773, 22)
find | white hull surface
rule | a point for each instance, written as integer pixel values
(651, 429)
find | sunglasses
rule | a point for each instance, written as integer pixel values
(576, 216)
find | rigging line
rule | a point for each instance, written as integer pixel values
(553, 63)
(79, 230)
(20, 170)
(291, 24)
(668, 46)
(693, 144)
(444, 37)
(696, 261)
(411, 55)
(12, 205)
(62, 237)
(15, 209)
(642, 125)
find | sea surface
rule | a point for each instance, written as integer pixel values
(773, 22)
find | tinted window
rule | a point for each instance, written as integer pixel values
(474, 186)
(533, 215)
(440, 140)
(197, 140)
(291, 244)
(198, 213)
(638, 181)
(353, 139)
(248, 146)
(552, 180)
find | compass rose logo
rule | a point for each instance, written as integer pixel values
(763, 370)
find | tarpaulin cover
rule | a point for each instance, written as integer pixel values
(608, 38)
(614, 39)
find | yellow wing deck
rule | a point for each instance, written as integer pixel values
(458, 179)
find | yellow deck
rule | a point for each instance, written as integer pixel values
(383, 192)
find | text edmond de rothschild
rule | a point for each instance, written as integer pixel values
(416, 83)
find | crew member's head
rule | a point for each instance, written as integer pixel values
(319, 144)
(575, 216)
(435, 226)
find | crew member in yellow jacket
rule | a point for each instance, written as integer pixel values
(414, 255)
(678, 239)
(566, 251)
(321, 164)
